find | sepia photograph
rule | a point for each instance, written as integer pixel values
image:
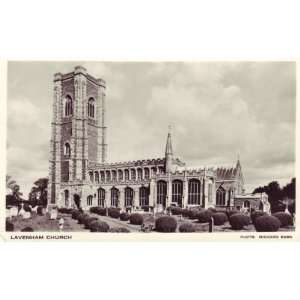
(151, 147)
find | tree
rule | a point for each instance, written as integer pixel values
(10, 183)
(38, 193)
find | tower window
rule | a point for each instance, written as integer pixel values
(68, 106)
(67, 150)
(91, 108)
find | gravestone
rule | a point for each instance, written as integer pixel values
(22, 211)
(53, 214)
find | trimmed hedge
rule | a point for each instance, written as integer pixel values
(205, 216)
(165, 224)
(119, 230)
(194, 213)
(257, 214)
(114, 212)
(99, 226)
(284, 218)
(219, 218)
(82, 218)
(9, 226)
(124, 216)
(187, 227)
(238, 221)
(27, 229)
(76, 214)
(229, 213)
(266, 223)
(185, 212)
(101, 211)
(65, 210)
(213, 210)
(175, 210)
(88, 221)
(136, 219)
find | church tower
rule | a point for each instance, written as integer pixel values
(78, 129)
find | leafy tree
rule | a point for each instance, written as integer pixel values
(38, 193)
(10, 183)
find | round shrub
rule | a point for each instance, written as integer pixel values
(9, 226)
(284, 218)
(175, 210)
(82, 218)
(205, 216)
(114, 212)
(238, 221)
(187, 227)
(124, 216)
(94, 209)
(65, 210)
(165, 224)
(219, 218)
(267, 223)
(212, 209)
(119, 230)
(98, 226)
(27, 229)
(136, 219)
(256, 214)
(75, 214)
(185, 212)
(88, 221)
(101, 211)
(229, 213)
(194, 213)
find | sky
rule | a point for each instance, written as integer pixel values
(218, 111)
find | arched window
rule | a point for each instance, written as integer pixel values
(101, 197)
(161, 192)
(91, 176)
(144, 196)
(128, 196)
(177, 188)
(120, 175)
(220, 197)
(90, 200)
(153, 171)
(114, 175)
(66, 198)
(68, 106)
(108, 178)
(194, 192)
(147, 173)
(102, 175)
(67, 150)
(91, 108)
(133, 174)
(140, 174)
(126, 172)
(114, 197)
(97, 177)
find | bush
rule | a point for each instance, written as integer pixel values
(82, 218)
(147, 207)
(229, 213)
(175, 210)
(165, 224)
(27, 229)
(219, 218)
(266, 223)
(114, 212)
(9, 226)
(76, 214)
(101, 211)
(124, 216)
(88, 221)
(205, 216)
(238, 221)
(65, 210)
(40, 210)
(136, 219)
(284, 218)
(193, 213)
(98, 226)
(213, 210)
(119, 229)
(256, 214)
(185, 212)
(187, 227)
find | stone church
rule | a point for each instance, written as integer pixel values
(80, 176)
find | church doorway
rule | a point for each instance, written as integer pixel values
(77, 201)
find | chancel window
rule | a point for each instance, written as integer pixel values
(220, 197)
(144, 196)
(101, 197)
(68, 106)
(177, 188)
(114, 197)
(91, 108)
(161, 192)
(128, 196)
(90, 200)
(194, 192)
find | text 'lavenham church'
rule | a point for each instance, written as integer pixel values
(81, 177)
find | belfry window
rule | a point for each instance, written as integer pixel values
(91, 108)
(68, 106)
(67, 150)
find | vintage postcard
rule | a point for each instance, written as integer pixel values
(185, 151)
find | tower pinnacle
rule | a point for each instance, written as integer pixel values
(169, 152)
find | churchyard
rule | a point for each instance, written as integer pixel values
(174, 219)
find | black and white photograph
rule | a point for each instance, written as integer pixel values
(151, 147)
